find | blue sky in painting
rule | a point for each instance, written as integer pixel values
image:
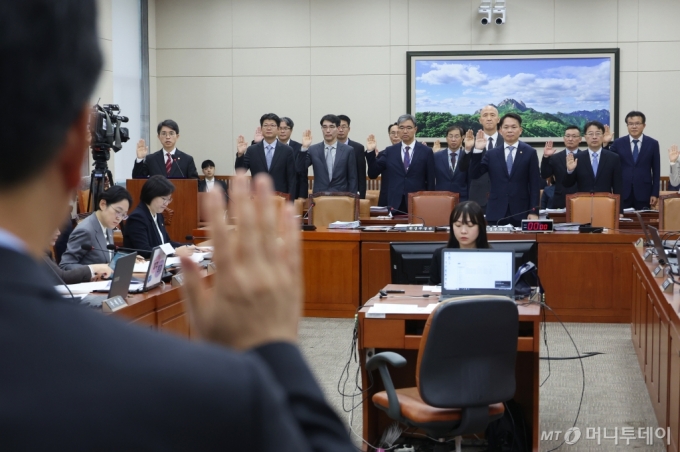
(548, 85)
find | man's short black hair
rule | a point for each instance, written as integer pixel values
(153, 188)
(573, 127)
(289, 122)
(330, 118)
(169, 123)
(51, 59)
(455, 127)
(597, 124)
(207, 163)
(114, 194)
(514, 116)
(635, 113)
(270, 116)
(345, 118)
(391, 125)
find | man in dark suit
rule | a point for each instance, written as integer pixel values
(513, 171)
(480, 187)
(640, 164)
(448, 176)
(87, 381)
(207, 184)
(169, 161)
(359, 152)
(302, 182)
(269, 156)
(555, 164)
(409, 165)
(334, 163)
(596, 169)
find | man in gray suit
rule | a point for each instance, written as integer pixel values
(335, 167)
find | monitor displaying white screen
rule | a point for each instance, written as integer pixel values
(477, 272)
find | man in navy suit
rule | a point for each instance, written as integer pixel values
(359, 152)
(555, 164)
(596, 169)
(169, 161)
(207, 184)
(640, 164)
(302, 183)
(448, 175)
(513, 171)
(409, 165)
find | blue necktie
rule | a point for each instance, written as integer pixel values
(594, 164)
(636, 151)
(270, 155)
(508, 161)
(407, 158)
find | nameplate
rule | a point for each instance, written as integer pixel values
(211, 268)
(658, 270)
(667, 286)
(178, 280)
(114, 304)
(639, 243)
(420, 229)
(648, 255)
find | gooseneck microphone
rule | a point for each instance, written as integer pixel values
(174, 161)
(392, 209)
(308, 227)
(515, 214)
(63, 283)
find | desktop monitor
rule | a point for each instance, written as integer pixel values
(524, 250)
(410, 261)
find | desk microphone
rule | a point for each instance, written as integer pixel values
(174, 160)
(63, 283)
(392, 209)
(308, 227)
(589, 228)
(532, 210)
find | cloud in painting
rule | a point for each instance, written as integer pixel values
(446, 73)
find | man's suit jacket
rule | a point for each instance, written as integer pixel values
(71, 374)
(516, 192)
(608, 173)
(283, 171)
(480, 187)
(88, 232)
(301, 181)
(445, 180)
(202, 185)
(420, 175)
(140, 231)
(78, 274)
(556, 165)
(643, 176)
(344, 168)
(154, 164)
(360, 156)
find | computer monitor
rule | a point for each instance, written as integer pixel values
(477, 272)
(410, 261)
(524, 250)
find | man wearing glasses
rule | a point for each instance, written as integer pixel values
(640, 164)
(335, 167)
(269, 156)
(285, 131)
(169, 161)
(408, 165)
(359, 152)
(596, 169)
(555, 164)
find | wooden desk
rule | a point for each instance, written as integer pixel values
(394, 333)
(649, 218)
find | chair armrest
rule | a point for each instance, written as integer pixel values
(380, 362)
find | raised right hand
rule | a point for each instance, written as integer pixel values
(549, 149)
(673, 153)
(306, 139)
(241, 145)
(437, 146)
(571, 162)
(142, 149)
(469, 140)
(480, 142)
(258, 135)
(371, 144)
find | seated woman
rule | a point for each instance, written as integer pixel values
(468, 231)
(145, 227)
(96, 231)
(79, 273)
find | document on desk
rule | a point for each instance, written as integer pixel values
(434, 289)
(379, 310)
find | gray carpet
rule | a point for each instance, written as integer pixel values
(615, 394)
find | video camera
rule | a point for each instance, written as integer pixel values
(107, 133)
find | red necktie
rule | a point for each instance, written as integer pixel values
(168, 165)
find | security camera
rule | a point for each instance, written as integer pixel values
(500, 20)
(485, 20)
(485, 8)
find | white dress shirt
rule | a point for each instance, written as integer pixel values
(410, 151)
(633, 144)
(155, 221)
(165, 155)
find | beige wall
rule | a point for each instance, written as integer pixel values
(217, 65)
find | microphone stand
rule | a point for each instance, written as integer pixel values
(174, 161)
(308, 227)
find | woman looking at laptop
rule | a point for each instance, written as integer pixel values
(467, 231)
(145, 227)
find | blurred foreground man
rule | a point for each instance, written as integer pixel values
(74, 379)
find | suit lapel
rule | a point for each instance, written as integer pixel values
(261, 154)
(101, 240)
(277, 155)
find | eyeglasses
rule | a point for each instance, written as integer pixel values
(331, 127)
(284, 128)
(269, 126)
(168, 134)
(572, 137)
(634, 124)
(454, 137)
(403, 128)
(594, 134)
(343, 127)
(166, 200)
(120, 215)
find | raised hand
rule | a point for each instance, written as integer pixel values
(437, 146)
(469, 140)
(371, 144)
(242, 311)
(306, 139)
(549, 149)
(142, 149)
(673, 153)
(258, 135)
(241, 145)
(480, 141)
(571, 162)
(607, 137)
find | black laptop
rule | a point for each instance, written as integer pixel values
(120, 281)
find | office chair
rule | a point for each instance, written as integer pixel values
(669, 212)
(434, 207)
(329, 207)
(465, 370)
(602, 208)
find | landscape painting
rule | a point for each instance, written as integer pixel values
(550, 90)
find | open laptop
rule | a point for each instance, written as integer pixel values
(648, 238)
(154, 274)
(477, 272)
(120, 281)
(661, 254)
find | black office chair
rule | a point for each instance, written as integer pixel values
(465, 369)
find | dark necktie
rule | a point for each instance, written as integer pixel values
(490, 145)
(168, 164)
(453, 162)
(407, 158)
(636, 151)
(508, 161)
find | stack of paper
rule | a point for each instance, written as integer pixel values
(378, 310)
(343, 225)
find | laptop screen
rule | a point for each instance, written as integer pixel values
(156, 267)
(477, 272)
(658, 245)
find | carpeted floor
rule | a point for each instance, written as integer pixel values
(615, 394)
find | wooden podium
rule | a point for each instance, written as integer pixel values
(181, 216)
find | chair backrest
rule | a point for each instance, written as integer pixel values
(202, 207)
(603, 208)
(333, 206)
(434, 207)
(669, 212)
(364, 208)
(83, 196)
(467, 352)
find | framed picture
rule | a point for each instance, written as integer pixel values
(549, 89)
